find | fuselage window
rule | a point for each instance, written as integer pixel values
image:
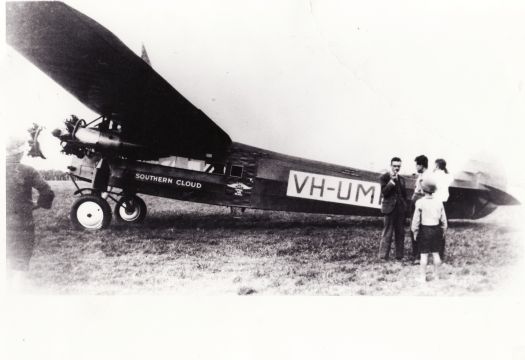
(236, 171)
(215, 169)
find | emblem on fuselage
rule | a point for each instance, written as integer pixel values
(239, 188)
(334, 189)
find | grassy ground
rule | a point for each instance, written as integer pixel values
(186, 248)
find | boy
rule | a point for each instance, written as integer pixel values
(429, 225)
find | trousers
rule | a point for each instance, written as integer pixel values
(415, 246)
(442, 249)
(20, 241)
(394, 226)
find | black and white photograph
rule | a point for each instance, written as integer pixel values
(302, 156)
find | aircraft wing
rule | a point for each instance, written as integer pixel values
(99, 70)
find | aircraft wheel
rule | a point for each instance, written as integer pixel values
(130, 209)
(90, 212)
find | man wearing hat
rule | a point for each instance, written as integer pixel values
(429, 224)
(20, 181)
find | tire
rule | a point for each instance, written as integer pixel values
(133, 215)
(90, 212)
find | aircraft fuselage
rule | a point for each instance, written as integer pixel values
(250, 177)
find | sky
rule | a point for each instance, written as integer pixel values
(347, 82)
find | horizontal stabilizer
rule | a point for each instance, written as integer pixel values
(500, 197)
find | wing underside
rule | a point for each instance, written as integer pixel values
(103, 73)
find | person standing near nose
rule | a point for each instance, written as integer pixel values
(20, 235)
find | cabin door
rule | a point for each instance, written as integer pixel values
(240, 176)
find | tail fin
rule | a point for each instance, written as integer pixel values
(145, 56)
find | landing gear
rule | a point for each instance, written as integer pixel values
(90, 212)
(130, 209)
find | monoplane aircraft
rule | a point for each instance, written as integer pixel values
(150, 140)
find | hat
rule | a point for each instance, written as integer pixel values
(16, 145)
(428, 185)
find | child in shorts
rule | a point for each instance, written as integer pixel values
(429, 225)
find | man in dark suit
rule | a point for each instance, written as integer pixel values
(393, 206)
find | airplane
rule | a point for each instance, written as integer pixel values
(150, 140)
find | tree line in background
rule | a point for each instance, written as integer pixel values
(54, 175)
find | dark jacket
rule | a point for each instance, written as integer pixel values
(20, 181)
(391, 197)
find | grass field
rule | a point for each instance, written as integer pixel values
(187, 248)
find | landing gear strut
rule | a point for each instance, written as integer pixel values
(91, 210)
